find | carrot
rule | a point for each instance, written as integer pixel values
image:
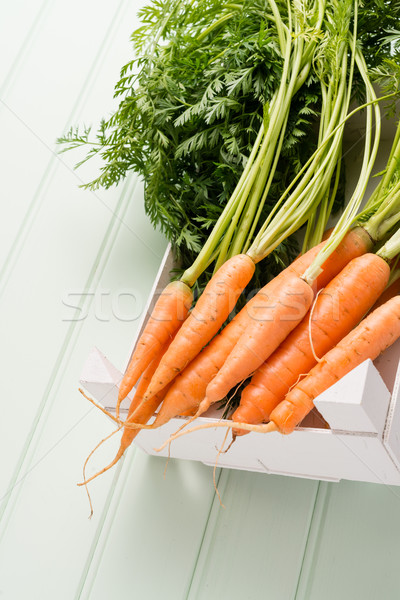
(379, 330)
(211, 310)
(337, 310)
(145, 380)
(144, 383)
(189, 388)
(167, 316)
(355, 243)
(391, 290)
(139, 416)
(139, 412)
(372, 336)
(275, 318)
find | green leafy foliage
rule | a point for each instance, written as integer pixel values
(191, 105)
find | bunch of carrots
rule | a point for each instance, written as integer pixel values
(307, 327)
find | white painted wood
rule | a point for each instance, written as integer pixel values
(318, 454)
(253, 548)
(46, 502)
(357, 402)
(99, 377)
(322, 454)
(71, 242)
(392, 430)
(50, 266)
(160, 282)
(353, 551)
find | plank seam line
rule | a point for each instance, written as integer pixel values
(321, 497)
(49, 171)
(23, 49)
(95, 554)
(205, 534)
(62, 360)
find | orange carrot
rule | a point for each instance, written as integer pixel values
(139, 412)
(372, 336)
(145, 380)
(337, 310)
(275, 318)
(355, 243)
(144, 383)
(379, 330)
(189, 388)
(211, 310)
(168, 314)
(140, 416)
(392, 290)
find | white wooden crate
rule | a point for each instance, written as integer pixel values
(362, 409)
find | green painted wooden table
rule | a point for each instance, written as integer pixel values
(76, 269)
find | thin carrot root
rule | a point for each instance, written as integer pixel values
(86, 481)
(229, 445)
(317, 358)
(106, 412)
(220, 451)
(133, 425)
(184, 425)
(266, 428)
(167, 462)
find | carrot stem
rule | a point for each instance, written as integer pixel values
(298, 39)
(349, 214)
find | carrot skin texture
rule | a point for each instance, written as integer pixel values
(355, 243)
(337, 310)
(189, 388)
(140, 412)
(141, 415)
(170, 311)
(273, 318)
(208, 315)
(258, 343)
(379, 330)
(387, 294)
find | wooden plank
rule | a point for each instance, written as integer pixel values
(49, 265)
(52, 90)
(65, 433)
(47, 428)
(254, 547)
(161, 523)
(155, 525)
(19, 27)
(354, 545)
